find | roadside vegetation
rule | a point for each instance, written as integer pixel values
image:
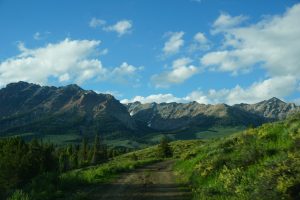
(260, 163)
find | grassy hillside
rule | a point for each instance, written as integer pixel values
(261, 163)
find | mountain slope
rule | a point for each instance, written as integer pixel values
(260, 163)
(26, 107)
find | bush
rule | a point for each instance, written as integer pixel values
(164, 149)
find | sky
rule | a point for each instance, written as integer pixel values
(209, 51)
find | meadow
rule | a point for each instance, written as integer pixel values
(256, 163)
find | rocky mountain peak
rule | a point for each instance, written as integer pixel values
(274, 101)
(23, 104)
(20, 85)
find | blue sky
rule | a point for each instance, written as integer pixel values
(209, 51)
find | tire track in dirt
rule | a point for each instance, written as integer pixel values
(153, 182)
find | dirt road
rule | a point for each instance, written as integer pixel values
(153, 182)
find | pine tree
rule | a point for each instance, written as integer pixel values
(63, 162)
(84, 152)
(96, 150)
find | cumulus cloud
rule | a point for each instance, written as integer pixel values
(126, 72)
(174, 43)
(225, 21)
(272, 43)
(200, 37)
(200, 42)
(158, 98)
(121, 27)
(68, 60)
(181, 70)
(273, 87)
(96, 22)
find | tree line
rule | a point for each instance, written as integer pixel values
(21, 161)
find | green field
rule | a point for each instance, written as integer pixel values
(137, 142)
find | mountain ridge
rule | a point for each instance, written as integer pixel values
(158, 114)
(27, 107)
(24, 104)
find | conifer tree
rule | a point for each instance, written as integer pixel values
(84, 152)
(96, 150)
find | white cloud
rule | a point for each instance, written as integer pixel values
(96, 22)
(225, 21)
(274, 87)
(103, 52)
(200, 37)
(174, 43)
(111, 92)
(280, 87)
(181, 71)
(200, 43)
(68, 60)
(64, 77)
(158, 98)
(273, 43)
(126, 72)
(121, 27)
(296, 101)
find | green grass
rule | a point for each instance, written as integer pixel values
(109, 170)
(209, 133)
(261, 163)
(217, 132)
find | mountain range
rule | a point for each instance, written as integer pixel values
(169, 116)
(31, 108)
